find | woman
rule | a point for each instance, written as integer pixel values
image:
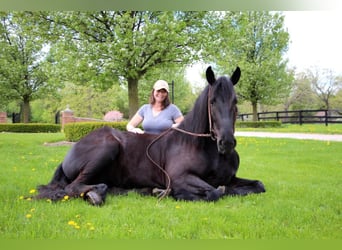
(159, 114)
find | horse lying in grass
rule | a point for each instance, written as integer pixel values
(196, 161)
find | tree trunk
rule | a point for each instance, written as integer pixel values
(133, 100)
(26, 110)
(255, 112)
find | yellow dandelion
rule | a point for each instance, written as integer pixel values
(32, 191)
(33, 169)
(91, 228)
(49, 200)
(82, 194)
(72, 223)
(178, 207)
(28, 216)
(21, 197)
(66, 197)
(29, 198)
(77, 227)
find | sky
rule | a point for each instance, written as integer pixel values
(315, 40)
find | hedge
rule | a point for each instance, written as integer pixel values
(75, 131)
(30, 127)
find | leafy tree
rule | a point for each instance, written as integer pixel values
(336, 102)
(255, 41)
(21, 56)
(107, 47)
(302, 96)
(325, 84)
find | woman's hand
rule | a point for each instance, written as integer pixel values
(136, 131)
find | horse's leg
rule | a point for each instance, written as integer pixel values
(239, 186)
(94, 194)
(191, 187)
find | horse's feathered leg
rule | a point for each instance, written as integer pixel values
(191, 187)
(54, 190)
(239, 186)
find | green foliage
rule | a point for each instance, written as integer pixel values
(30, 128)
(303, 198)
(111, 47)
(260, 124)
(87, 101)
(75, 131)
(257, 41)
(21, 55)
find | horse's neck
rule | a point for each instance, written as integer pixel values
(197, 120)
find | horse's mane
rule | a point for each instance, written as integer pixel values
(197, 119)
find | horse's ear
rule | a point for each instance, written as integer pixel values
(210, 75)
(236, 76)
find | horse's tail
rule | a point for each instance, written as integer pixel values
(55, 189)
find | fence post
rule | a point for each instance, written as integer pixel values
(300, 118)
(326, 117)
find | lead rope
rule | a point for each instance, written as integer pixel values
(211, 134)
(168, 189)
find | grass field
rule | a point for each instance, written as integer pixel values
(303, 198)
(306, 128)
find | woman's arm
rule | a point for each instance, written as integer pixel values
(133, 123)
(178, 121)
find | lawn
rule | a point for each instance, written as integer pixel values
(303, 198)
(306, 128)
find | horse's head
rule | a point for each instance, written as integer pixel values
(222, 104)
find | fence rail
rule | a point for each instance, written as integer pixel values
(298, 116)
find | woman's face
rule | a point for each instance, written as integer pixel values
(160, 95)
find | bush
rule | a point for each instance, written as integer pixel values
(30, 128)
(75, 131)
(262, 124)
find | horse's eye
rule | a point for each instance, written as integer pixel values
(212, 101)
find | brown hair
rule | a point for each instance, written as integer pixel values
(165, 103)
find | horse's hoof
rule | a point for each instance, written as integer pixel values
(93, 198)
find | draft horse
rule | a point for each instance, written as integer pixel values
(196, 161)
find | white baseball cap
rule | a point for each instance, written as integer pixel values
(161, 84)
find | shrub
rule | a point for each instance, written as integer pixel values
(30, 128)
(75, 131)
(262, 124)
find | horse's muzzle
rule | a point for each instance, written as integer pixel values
(226, 146)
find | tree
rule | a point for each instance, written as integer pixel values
(302, 96)
(122, 46)
(21, 55)
(325, 84)
(256, 41)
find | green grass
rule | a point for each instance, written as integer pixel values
(303, 198)
(306, 128)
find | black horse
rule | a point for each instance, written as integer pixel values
(196, 161)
